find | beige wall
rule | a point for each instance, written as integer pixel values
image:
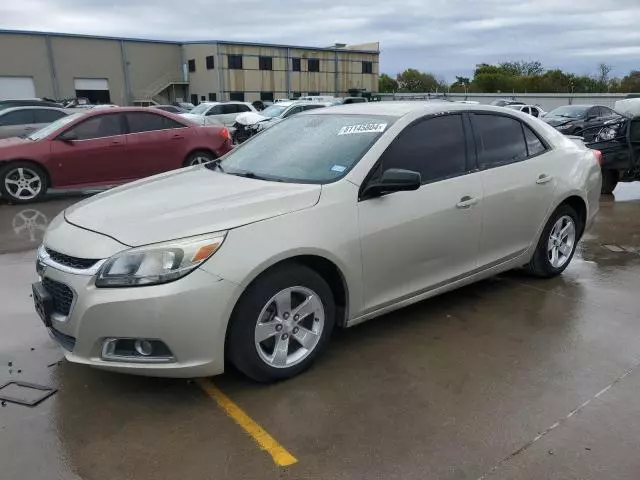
(26, 56)
(148, 62)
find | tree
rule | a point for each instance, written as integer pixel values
(631, 82)
(462, 80)
(386, 84)
(522, 69)
(411, 80)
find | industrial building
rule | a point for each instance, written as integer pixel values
(125, 70)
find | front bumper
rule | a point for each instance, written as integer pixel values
(189, 315)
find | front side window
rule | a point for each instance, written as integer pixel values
(229, 108)
(47, 116)
(18, 117)
(148, 122)
(499, 140)
(98, 127)
(326, 148)
(435, 148)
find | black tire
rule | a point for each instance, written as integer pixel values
(609, 181)
(196, 158)
(30, 171)
(241, 347)
(540, 264)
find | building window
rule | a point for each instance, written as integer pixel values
(210, 63)
(203, 98)
(235, 62)
(212, 97)
(266, 63)
(297, 94)
(194, 98)
(236, 96)
(367, 67)
(295, 64)
(313, 94)
(314, 65)
(266, 96)
(192, 65)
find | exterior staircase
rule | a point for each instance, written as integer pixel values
(153, 91)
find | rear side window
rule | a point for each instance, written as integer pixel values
(534, 145)
(229, 108)
(435, 148)
(47, 116)
(17, 117)
(99, 127)
(499, 140)
(243, 108)
(149, 122)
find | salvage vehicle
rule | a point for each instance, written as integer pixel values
(619, 142)
(534, 110)
(249, 123)
(20, 121)
(327, 219)
(222, 112)
(575, 119)
(104, 147)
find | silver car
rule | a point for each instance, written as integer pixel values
(20, 121)
(329, 218)
(218, 112)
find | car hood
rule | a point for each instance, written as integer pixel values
(557, 121)
(187, 202)
(250, 118)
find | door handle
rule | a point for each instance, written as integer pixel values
(115, 143)
(177, 137)
(543, 178)
(466, 202)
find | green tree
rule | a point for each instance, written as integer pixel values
(386, 84)
(630, 83)
(411, 80)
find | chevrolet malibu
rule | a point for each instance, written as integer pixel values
(104, 147)
(328, 219)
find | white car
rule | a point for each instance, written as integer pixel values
(533, 110)
(21, 121)
(222, 112)
(330, 218)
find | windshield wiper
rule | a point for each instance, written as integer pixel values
(248, 174)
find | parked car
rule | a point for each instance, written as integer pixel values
(619, 141)
(186, 105)
(170, 108)
(533, 110)
(249, 123)
(29, 102)
(104, 147)
(330, 218)
(145, 103)
(224, 112)
(503, 102)
(20, 121)
(575, 119)
(348, 100)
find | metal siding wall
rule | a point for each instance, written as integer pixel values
(149, 61)
(24, 55)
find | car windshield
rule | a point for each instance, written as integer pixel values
(569, 111)
(200, 109)
(273, 111)
(52, 127)
(307, 148)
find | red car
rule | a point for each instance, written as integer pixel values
(104, 147)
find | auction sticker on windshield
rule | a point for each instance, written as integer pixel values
(363, 128)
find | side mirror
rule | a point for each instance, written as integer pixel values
(68, 136)
(393, 180)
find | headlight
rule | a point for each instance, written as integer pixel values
(159, 263)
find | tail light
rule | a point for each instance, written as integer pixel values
(598, 155)
(224, 133)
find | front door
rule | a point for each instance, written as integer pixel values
(94, 154)
(519, 175)
(419, 240)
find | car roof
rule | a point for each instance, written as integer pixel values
(29, 107)
(400, 109)
(100, 111)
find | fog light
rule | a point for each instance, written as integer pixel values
(143, 347)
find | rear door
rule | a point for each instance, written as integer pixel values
(518, 180)
(419, 240)
(155, 143)
(97, 155)
(16, 123)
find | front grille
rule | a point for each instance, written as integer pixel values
(69, 261)
(61, 294)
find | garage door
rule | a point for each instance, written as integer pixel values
(17, 88)
(94, 89)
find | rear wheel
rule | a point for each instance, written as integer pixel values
(22, 182)
(281, 323)
(557, 243)
(197, 158)
(609, 181)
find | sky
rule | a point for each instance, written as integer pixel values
(444, 37)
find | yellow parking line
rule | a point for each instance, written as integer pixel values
(279, 454)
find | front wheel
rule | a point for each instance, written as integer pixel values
(22, 182)
(197, 158)
(281, 323)
(557, 244)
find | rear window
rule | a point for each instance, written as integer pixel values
(308, 148)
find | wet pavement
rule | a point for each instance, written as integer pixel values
(511, 378)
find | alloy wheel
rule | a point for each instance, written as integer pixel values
(561, 242)
(289, 327)
(22, 183)
(199, 159)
